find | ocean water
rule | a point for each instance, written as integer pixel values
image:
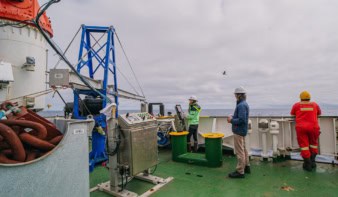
(217, 112)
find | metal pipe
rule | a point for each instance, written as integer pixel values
(274, 131)
(264, 145)
(39, 130)
(275, 144)
(263, 127)
(335, 135)
(214, 122)
(14, 142)
(283, 132)
(247, 138)
(290, 135)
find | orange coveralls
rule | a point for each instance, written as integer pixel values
(307, 127)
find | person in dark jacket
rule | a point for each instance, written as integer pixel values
(239, 123)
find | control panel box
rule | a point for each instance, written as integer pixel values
(138, 148)
(136, 119)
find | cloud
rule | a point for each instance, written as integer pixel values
(275, 49)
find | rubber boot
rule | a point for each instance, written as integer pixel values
(195, 147)
(189, 147)
(247, 170)
(313, 160)
(236, 175)
(307, 164)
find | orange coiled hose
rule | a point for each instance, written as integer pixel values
(14, 143)
(36, 142)
(41, 131)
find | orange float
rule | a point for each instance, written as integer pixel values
(24, 11)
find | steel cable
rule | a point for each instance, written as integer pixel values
(66, 50)
(125, 54)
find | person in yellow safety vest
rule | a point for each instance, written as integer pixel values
(193, 121)
(306, 115)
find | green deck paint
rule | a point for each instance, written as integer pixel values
(266, 179)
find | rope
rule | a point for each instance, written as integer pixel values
(125, 54)
(127, 81)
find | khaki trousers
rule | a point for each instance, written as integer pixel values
(241, 152)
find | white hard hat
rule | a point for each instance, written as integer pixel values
(193, 97)
(240, 90)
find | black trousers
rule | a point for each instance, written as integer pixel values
(192, 132)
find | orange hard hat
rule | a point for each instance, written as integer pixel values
(305, 95)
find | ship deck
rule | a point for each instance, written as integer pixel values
(267, 179)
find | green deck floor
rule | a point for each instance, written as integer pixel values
(266, 179)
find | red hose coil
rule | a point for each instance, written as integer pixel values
(39, 128)
(7, 152)
(14, 142)
(4, 145)
(13, 135)
(56, 140)
(31, 155)
(36, 142)
(4, 159)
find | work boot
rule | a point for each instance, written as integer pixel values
(313, 160)
(236, 175)
(189, 148)
(307, 164)
(195, 147)
(247, 170)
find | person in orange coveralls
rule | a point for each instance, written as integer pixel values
(306, 114)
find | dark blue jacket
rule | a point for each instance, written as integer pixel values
(241, 118)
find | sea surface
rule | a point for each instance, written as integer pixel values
(217, 112)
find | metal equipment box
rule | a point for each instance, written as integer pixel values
(138, 148)
(59, 78)
(61, 172)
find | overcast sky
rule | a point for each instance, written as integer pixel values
(275, 49)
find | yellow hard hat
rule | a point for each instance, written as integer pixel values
(305, 95)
